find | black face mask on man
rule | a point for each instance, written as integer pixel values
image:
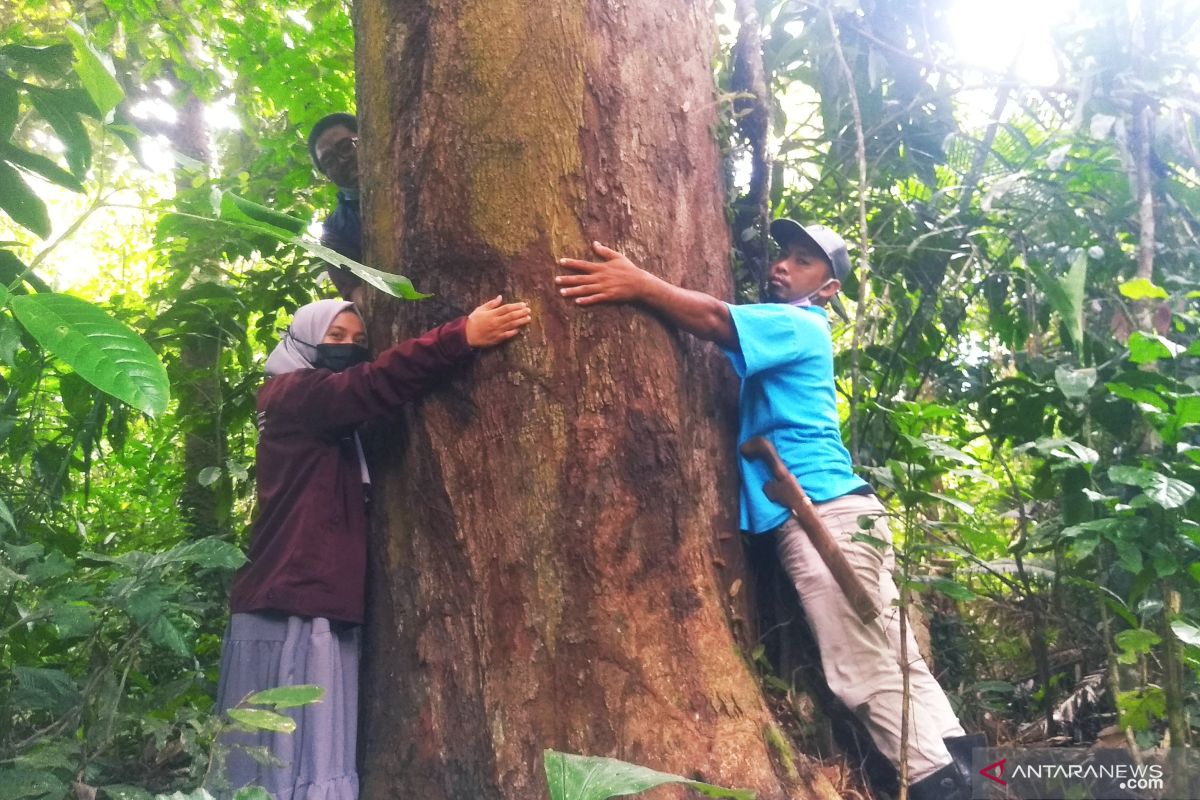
(337, 357)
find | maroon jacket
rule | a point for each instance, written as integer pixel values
(308, 548)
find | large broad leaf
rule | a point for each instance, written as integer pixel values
(254, 218)
(61, 108)
(10, 109)
(1142, 289)
(573, 777)
(387, 282)
(1186, 632)
(103, 351)
(7, 518)
(19, 784)
(1066, 294)
(52, 62)
(19, 202)
(1166, 491)
(1075, 383)
(41, 165)
(261, 720)
(287, 696)
(95, 75)
(1148, 348)
(1186, 412)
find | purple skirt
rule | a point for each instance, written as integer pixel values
(317, 761)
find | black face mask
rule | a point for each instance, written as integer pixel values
(337, 357)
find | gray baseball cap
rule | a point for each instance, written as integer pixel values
(788, 232)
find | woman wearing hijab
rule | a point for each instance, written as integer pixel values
(298, 602)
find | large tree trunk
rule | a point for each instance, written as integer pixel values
(548, 554)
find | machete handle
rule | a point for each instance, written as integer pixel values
(785, 490)
(762, 449)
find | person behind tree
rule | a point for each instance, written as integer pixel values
(298, 602)
(783, 353)
(333, 148)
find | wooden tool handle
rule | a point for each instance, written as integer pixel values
(785, 490)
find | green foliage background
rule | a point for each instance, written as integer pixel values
(1019, 372)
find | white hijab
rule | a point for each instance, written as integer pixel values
(298, 349)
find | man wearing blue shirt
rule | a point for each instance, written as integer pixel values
(783, 353)
(333, 148)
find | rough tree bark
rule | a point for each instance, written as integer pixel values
(555, 551)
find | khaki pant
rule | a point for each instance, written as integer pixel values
(862, 662)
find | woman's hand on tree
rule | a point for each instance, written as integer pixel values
(493, 323)
(616, 279)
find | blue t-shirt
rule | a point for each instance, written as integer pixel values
(786, 366)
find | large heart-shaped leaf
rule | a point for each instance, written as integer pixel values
(573, 777)
(1167, 492)
(102, 350)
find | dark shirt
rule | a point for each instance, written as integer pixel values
(342, 232)
(308, 545)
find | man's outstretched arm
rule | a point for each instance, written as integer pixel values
(616, 279)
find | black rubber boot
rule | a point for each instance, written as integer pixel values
(960, 748)
(945, 784)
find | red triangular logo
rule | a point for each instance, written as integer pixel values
(995, 772)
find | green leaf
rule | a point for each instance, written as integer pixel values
(1129, 554)
(123, 791)
(19, 784)
(1075, 383)
(1069, 450)
(1142, 289)
(163, 633)
(1186, 632)
(104, 352)
(1066, 294)
(1146, 349)
(939, 448)
(52, 61)
(45, 689)
(952, 589)
(19, 202)
(1139, 395)
(1137, 640)
(1166, 492)
(208, 476)
(1186, 412)
(239, 209)
(252, 793)
(10, 338)
(961, 505)
(210, 553)
(95, 75)
(287, 696)
(6, 516)
(10, 109)
(41, 165)
(386, 282)
(573, 777)
(1139, 709)
(61, 108)
(261, 720)
(253, 218)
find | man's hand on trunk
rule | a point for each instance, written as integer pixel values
(616, 279)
